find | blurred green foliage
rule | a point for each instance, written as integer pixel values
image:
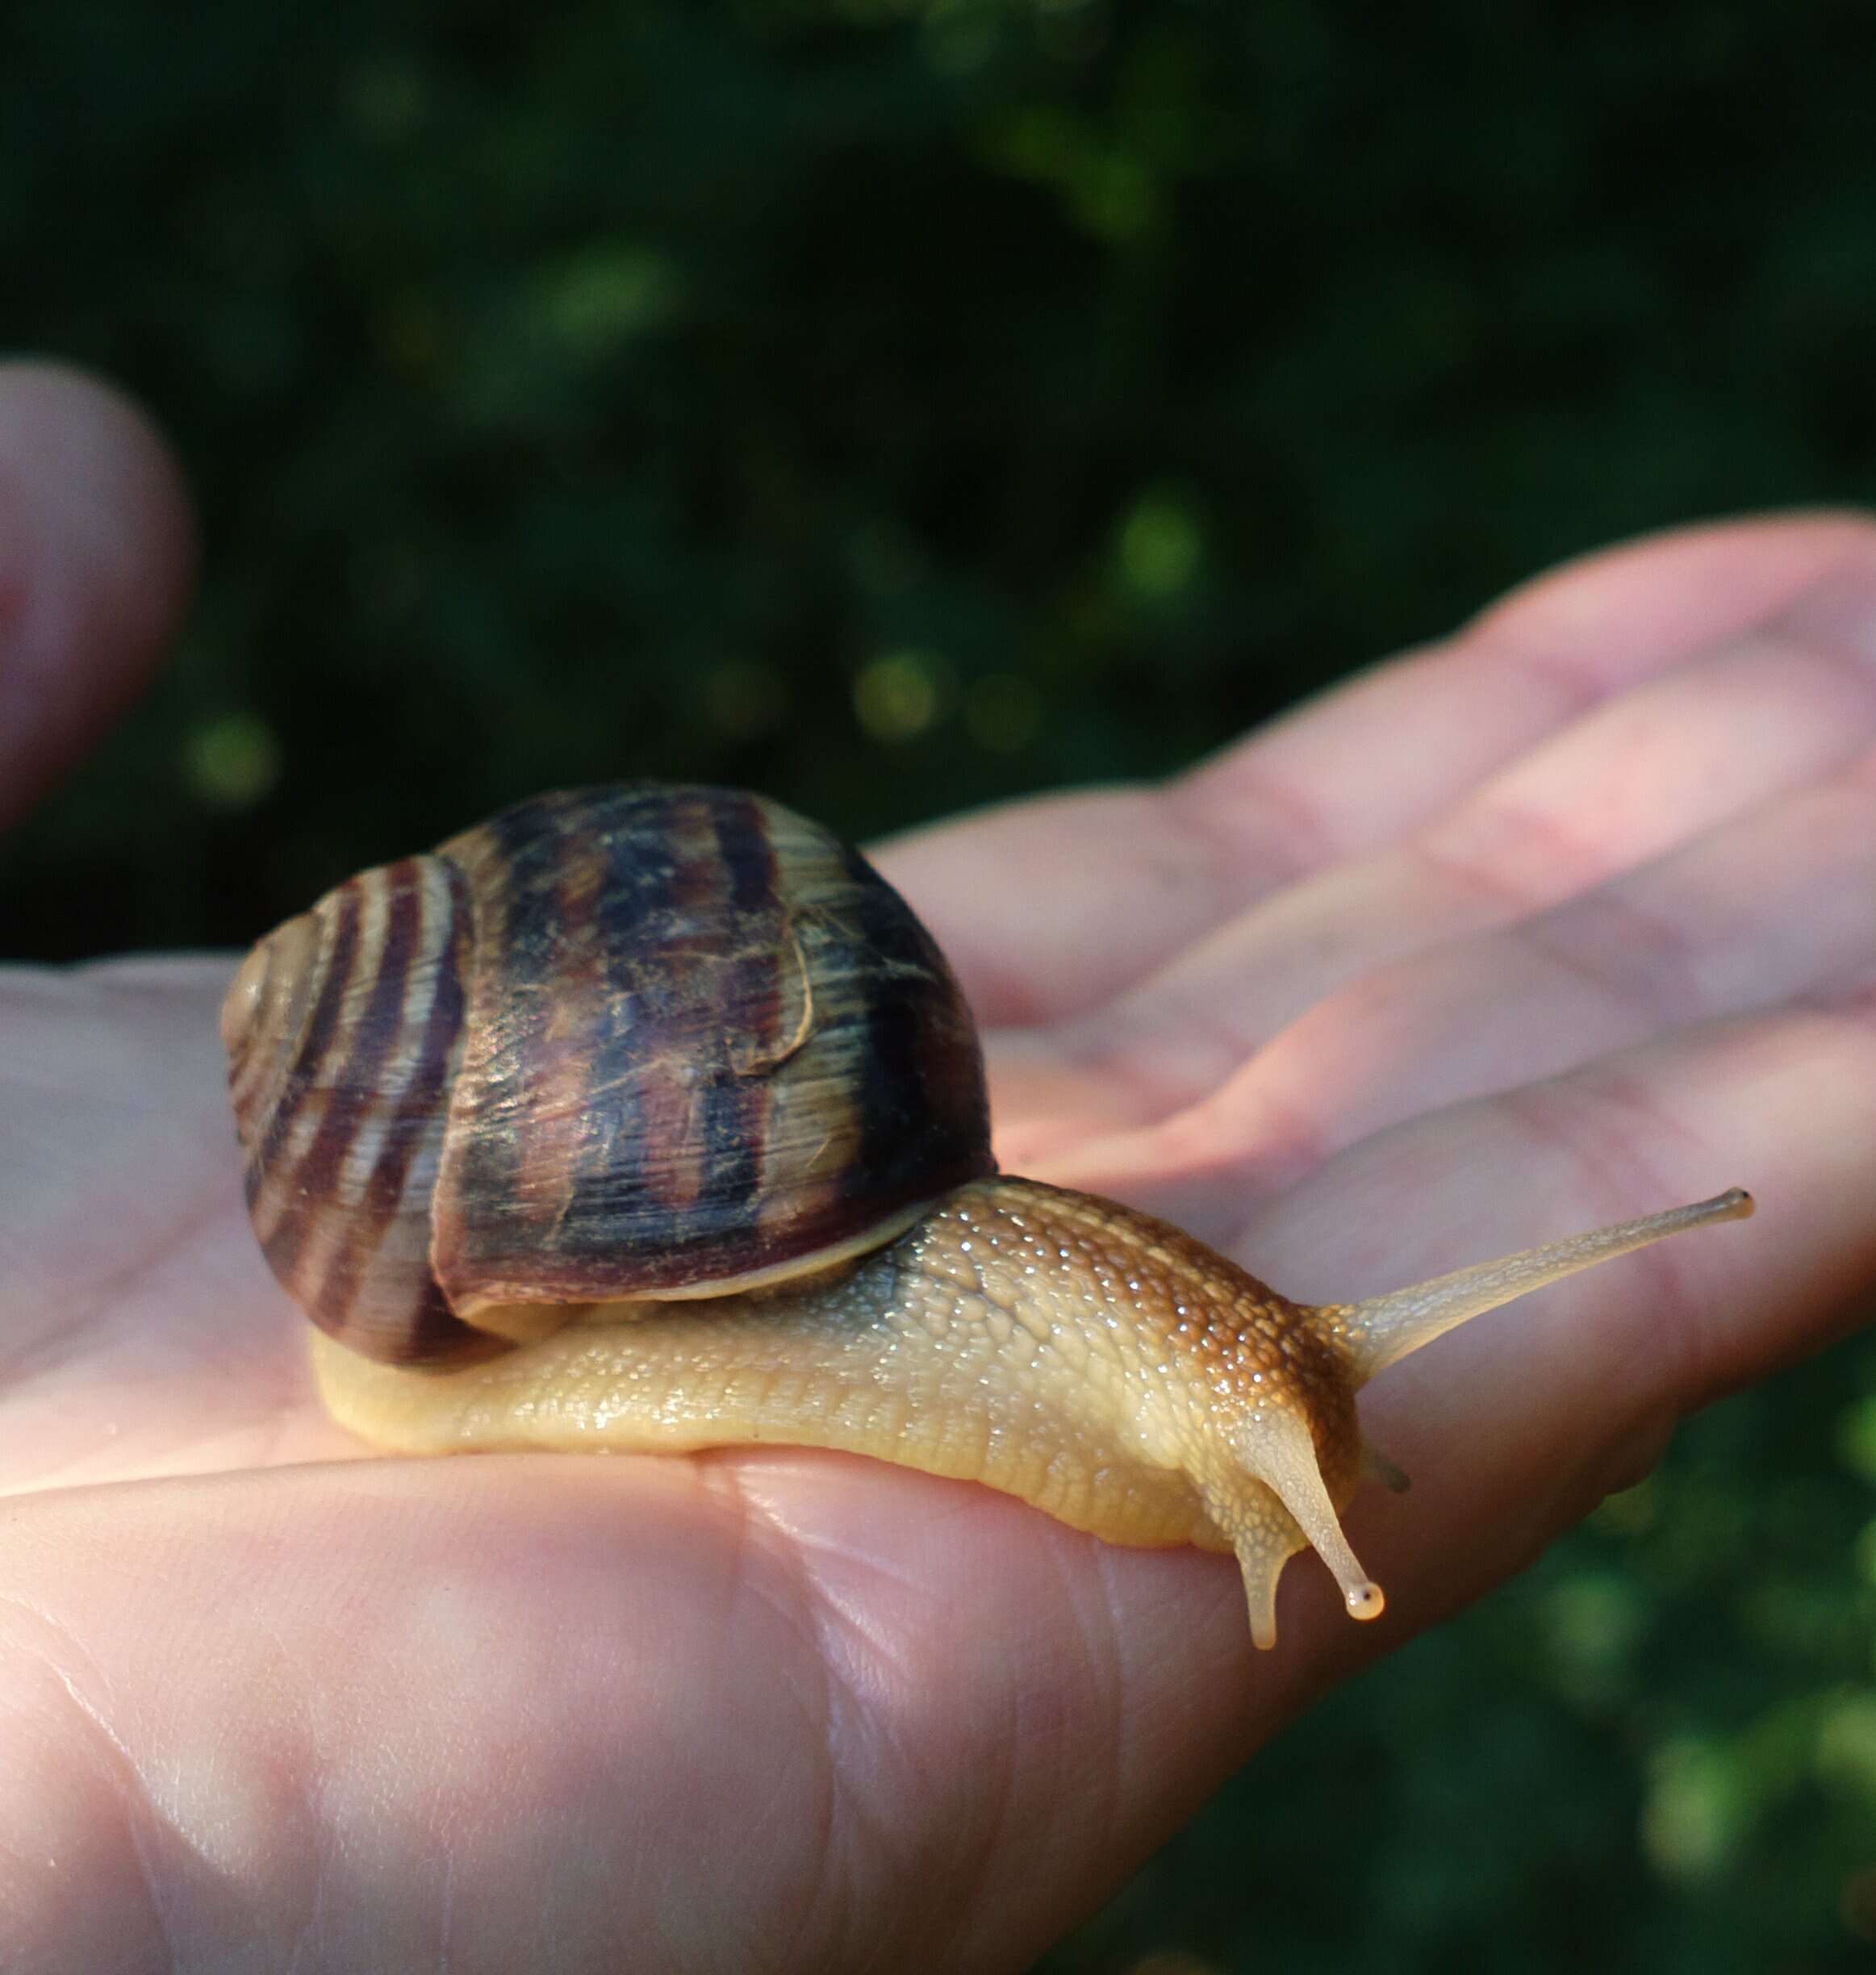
(899, 403)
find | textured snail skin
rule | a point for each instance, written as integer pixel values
(650, 1117)
(1096, 1363)
(1091, 1360)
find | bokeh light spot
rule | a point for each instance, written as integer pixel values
(1160, 546)
(608, 292)
(898, 695)
(231, 761)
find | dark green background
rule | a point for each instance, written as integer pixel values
(901, 404)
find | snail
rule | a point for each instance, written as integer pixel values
(650, 1117)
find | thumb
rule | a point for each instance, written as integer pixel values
(96, 553)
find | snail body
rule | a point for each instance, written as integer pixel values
(649, 1117)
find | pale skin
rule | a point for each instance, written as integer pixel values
(1567, 918)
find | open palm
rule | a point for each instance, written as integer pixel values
(1565, 919)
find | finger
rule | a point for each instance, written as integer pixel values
(1091, 892)
(96, 555)
(1642, 771)
(1777, 906)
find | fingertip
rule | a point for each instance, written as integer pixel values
(96, 559)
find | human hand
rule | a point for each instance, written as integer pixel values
(1564, 920)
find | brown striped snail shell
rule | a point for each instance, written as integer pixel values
(614, 1043)
(650, 1117)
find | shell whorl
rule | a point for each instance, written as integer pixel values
(344, 1028)
(618, 1043)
